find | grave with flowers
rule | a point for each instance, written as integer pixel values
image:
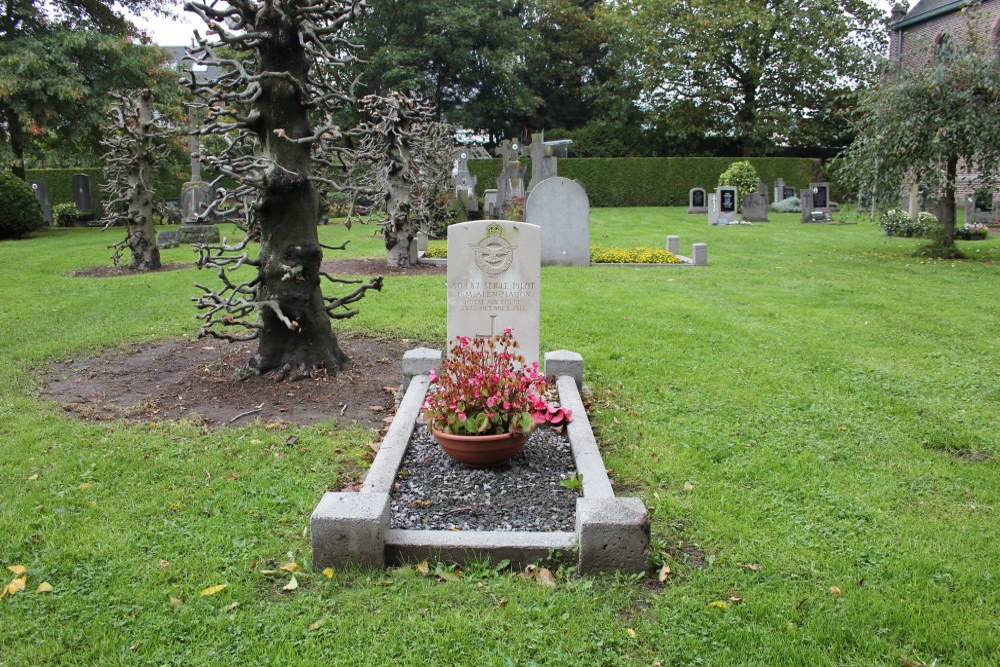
(547, 494)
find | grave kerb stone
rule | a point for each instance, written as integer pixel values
(674, 244)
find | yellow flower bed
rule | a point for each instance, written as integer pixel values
(632, 256)
(597, 255)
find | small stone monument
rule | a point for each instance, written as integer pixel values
(696, 201)
(81, 193)
(465, 181)
(821, 198)
(195, 196)
(490, 201)
(727, 204)
(809, 211)
(779, 189)
(543, 165)
(713, 209)
(510, 182)
(788, 192)
(494, 281)
(41, 190)
(561, 208)
(762, 191)
(755, 208)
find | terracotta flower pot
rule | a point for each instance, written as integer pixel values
(481, 451)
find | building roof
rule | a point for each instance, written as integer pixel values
(925, 10)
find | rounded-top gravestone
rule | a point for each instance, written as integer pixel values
(561, 208)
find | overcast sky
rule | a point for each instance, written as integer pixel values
(179, 30)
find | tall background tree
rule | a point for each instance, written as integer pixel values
(921, 123)
(272, 108)
(751, 73)
(57, 61)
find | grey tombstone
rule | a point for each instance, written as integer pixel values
(821, 197)
(490, 202)
(421, 241)
(810, 213)
(41, 190)
(195, 197)
(755, 208)
(674, 244)
(762, 190)
(543, 165)
(167, 239)
(561, 208)
(81, 193)
(465, 181)
(494, 281)
(510, 182)
(696, 201)
(727, 195)
(198, 234)
(713, 209)
(779, 189)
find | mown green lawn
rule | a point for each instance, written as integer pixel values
(815, 402)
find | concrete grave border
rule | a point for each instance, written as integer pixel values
(612, 534)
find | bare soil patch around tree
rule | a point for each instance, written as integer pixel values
(116, 271)
(196, 380)
(379, 267)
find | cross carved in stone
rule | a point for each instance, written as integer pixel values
(493, 328)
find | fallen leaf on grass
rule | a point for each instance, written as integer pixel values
(290, 567)
(423, 568)
(134, 647)
(315, 626)
(44, 587)
(903, 660)
(292, 584)
(632, 633)
(17, 569)
(212, 590)
(32, 478)
(734, 596)
(545, 577)
(719, 603)
(86, 485)
(422, 611)
(754, 567)
(328, 573)
(444, 574)
(688, 486)
(836, 590)
(664, 573)
(231, 607)
(501, 604)
(164, 564)
(174, 602)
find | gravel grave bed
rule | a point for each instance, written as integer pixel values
(434, 492)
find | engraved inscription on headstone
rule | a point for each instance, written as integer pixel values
(494, 281)
(696, 201)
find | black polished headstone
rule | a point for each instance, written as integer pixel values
(81, 193)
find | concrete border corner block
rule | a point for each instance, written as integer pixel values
(350, 528)
(419, 361)
(564, 362)
(613, 535)
(699, 253)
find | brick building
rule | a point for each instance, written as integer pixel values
(915, 36)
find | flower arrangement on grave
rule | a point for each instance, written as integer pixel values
(484, 387)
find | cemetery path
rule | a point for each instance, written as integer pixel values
(194, 380)
(115, 271)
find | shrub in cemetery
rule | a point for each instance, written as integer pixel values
(790, 205)
(972, 232)
(272, 110)
(68, 215)
(20, 212)
(742, 175)
(895, 222)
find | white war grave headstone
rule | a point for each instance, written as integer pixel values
(494, 281)
(560, 206)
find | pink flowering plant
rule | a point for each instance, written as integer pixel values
(484, 387)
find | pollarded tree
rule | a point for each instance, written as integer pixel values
(921, 123)
(134, 141)
(747, 69)
(405, 159)
(285, 75)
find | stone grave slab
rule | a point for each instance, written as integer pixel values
(41, 190)
(696, 201)
(82, 198)
(755, 208)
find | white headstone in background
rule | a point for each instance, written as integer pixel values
(494, 281)
(561, 208)
(713, 209)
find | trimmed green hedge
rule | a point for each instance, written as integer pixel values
(655, 181)
(60, 183)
